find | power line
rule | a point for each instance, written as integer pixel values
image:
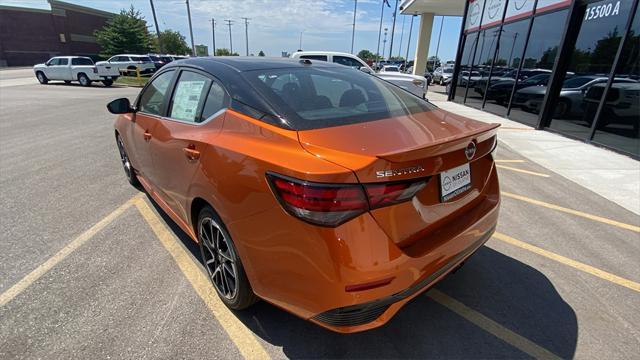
(229, 23)
(246, 34)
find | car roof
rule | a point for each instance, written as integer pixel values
(247, 63)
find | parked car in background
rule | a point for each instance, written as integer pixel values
(160, 60)
(464, 78)
(501, 91)
(441, 74)
(326, 191)
(481, 84)
(127, 63)
(415, 84)
(390, 68)
(75, 68)
(569, 102)
(622, 106)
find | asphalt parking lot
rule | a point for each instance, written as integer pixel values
(91, 268)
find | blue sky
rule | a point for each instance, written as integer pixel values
(275, 25)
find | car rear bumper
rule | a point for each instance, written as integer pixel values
(306, 269)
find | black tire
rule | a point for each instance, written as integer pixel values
(563, 108)
(83, 79)
(67, 82)
(222, 262)
(129, 171)
(108, 82)
(42, 78)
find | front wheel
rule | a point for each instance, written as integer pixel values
(129, 172)
(83, 79)
(42, 78)
(222, 262)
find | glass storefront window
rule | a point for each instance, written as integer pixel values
(465, 66)
(487, 42)
(510, 49)
(544, 41)
(591, 61)
(619, 122)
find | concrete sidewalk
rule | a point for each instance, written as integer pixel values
(609, 174)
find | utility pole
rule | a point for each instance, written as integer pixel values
(393, 28)
(229, 22)
(213, 34)
(155, 21)
(353, 31)
(409, 41)
(246, 33)
(193, 46)
(438, 46)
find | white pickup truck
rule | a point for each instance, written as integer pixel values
(415, 84)
(75, 68)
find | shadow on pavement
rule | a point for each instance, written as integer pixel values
(511, 293)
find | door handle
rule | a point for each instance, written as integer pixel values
(191, 153)
(147, 135)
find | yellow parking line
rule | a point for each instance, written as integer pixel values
(572, 212)
(242, 337)
(34, 275)
(509, 161)
(523, 344)
(569, 262)
(522, 171)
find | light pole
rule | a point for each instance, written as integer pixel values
(401, 37)
(353, 31)
(384, 42)
(155, 21)
(300, 46)
(229, 22)
(246, 34)
(193, 46)
(380, 31)
(213, 34)
(393, 28)
(438, 46)
(409, 41)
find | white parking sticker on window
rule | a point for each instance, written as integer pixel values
(186, 100)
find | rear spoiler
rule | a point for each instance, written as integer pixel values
(444, 145)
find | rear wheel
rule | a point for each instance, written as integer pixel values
(107, 82)
(42, 79)
(129, 172)
(222, 262)
(83, 79)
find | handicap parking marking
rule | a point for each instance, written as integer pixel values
(618, 280)
(523, 344)
(76, 243)
(242, 337)
(571, 211)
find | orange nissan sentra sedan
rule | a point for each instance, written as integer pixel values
(326, 191)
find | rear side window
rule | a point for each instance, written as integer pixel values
(217, 99)
(189, 96)
(347, 61)
(314, 57)
(311, 98)
(152, 99)
(81, 61)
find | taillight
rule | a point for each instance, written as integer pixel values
(333, 204)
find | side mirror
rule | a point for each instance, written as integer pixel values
(365, 69)
(120, 106)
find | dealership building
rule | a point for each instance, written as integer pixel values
(29, 36)
(566, 66)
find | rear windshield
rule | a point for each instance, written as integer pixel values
(311, 98)
(81, 61)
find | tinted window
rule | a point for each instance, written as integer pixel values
(314, 57)
(81, 61)
(152, 99)
(347, 61)
(217, 100)
(63, 61)
(482, 66)
(321, 97)
(188, 97)
(465, 65)
(592, 56)
(391, 69)
(541, 53)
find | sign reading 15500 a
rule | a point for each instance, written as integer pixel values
(602, 11)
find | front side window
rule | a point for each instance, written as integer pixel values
(322, 97)
(347, 61)
(53, 62)
(63, 61)
(152, 99)
(188, 97)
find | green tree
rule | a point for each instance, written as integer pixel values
(172, 43)
(225, 52)
(366, 55)
(126, 32)
(261, 53)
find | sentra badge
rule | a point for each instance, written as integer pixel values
(399, 172)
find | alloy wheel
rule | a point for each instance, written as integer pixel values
(219, 258)
(126, 164)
